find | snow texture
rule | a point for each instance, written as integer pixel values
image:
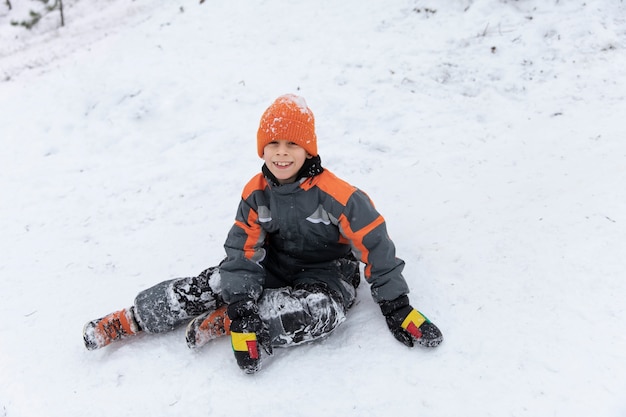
(299, 101)
(489, 133)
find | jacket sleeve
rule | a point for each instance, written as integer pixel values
(366, 230)
(242, 275)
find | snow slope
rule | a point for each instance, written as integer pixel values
(489, 133)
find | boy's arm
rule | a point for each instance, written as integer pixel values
(366, 230)
(242, 276)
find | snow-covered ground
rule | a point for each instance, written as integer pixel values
(489, 133)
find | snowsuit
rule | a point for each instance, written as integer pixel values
(294, 249)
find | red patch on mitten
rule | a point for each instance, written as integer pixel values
(414, 330)
(253, 350)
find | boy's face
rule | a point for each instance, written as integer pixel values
(284, 159)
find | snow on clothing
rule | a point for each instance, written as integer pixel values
(291, 315)
(291, 268)
(298, 233)
(291, 248)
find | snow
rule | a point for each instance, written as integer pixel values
(298, 101)
(488, 133)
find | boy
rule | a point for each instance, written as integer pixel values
(292, 260)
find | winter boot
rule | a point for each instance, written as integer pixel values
(207, 326)
(116, 326)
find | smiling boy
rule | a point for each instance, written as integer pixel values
(292, 260)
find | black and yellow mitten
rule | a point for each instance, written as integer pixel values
(248, 335)
(409, 325)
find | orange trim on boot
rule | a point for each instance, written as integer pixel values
(115, 326)
(216, 324)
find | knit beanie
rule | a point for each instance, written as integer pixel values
(288, 118)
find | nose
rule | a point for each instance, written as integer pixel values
(282, 148)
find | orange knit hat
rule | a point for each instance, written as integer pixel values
(288, 118)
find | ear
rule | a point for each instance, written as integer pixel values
(308, 156)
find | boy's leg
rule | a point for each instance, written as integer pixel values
(311, 309)
(168, 304)
(292, 316)
(157, 309)
(302, 314)
(316, 304)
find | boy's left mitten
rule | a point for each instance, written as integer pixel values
(409, 325)
(248, 335)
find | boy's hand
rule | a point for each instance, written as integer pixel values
(248, 335)
(409, 325)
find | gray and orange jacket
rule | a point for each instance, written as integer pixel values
(298, 232)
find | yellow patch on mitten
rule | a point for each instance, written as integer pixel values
(415, 318)
(241, 341)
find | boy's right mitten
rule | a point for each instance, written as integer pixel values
(248, 335)
(409, 325)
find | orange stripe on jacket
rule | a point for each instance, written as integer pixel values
(357, 238)
(253, 233)
(251, 228)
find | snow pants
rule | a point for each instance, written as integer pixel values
(292, 315)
